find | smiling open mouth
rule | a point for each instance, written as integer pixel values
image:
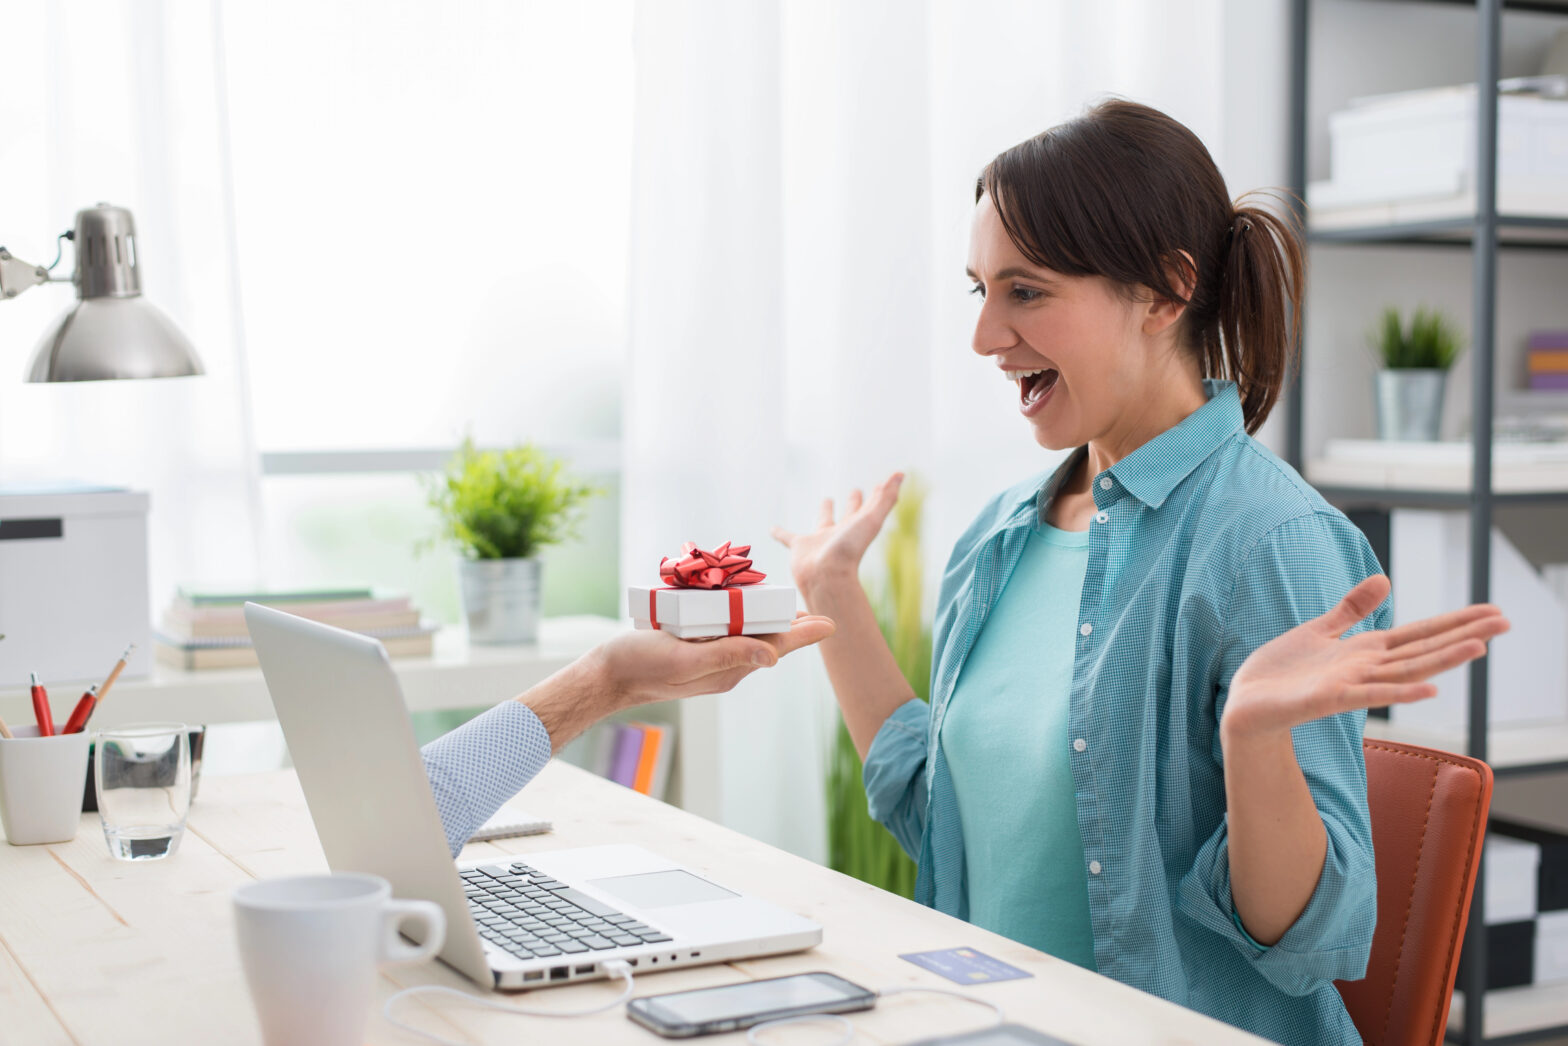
(1035, 386)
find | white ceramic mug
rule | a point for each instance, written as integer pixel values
(311, 944)
(41, 785)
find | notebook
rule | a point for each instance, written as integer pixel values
(509, 822)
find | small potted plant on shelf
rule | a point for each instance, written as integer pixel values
(499, 508)
(1410, 385)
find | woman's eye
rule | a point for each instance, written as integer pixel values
(1025, 294)
(978, 289)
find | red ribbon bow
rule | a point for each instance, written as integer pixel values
(724, 567)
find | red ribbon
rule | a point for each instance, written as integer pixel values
(725, 567)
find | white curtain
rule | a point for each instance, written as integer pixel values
(117, 102)
(803, 180)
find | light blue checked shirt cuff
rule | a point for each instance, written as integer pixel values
(476, 768)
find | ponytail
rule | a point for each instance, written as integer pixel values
(1127, 193)
(1259, 310)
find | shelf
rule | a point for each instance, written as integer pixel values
(1458, 230)
(1532, 1013)
(1510, 750)
(1458, 498)
(457, 675)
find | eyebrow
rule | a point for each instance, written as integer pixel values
(1011, 273)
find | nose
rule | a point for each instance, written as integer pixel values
(992, 334)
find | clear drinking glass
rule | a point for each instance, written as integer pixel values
(143, 777)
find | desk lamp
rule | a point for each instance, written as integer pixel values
(112, 331)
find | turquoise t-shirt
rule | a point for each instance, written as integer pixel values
(1005, 739)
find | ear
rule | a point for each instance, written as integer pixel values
(1181, 272)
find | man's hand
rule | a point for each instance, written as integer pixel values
(640, 667)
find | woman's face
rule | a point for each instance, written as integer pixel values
(1074, 346)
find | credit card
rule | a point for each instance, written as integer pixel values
(965, 966)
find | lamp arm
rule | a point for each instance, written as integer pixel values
(17, 275)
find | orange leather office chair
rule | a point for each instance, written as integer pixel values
(1428, 822)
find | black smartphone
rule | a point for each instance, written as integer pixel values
(706, 1011)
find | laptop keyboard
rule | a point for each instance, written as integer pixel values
(531, 915)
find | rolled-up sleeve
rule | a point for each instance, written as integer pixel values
(476, 768)
(895, 774)
(1297, 572)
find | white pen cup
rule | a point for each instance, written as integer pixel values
(41, 785)
(311, 945)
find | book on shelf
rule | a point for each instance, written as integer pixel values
(636, 755)
(209, 597)
(237, 652)
(1548, 360)
(371, 615)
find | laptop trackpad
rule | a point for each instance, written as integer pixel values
(661, 889)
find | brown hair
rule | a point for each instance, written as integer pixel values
(1121, 192)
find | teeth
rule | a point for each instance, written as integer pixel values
(1015, 375)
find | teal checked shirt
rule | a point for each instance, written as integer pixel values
(1204, 547)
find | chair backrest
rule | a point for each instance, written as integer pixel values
(1428, 823)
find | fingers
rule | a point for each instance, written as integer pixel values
(783, 537)
(1376, 695)
(806, 630)
(1428, 665)
(749, 652)
(1357, 605)
(855, 501)
(1432, 626)
(825, 514)
(1481, 626)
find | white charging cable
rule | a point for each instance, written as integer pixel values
(622, 971)
(849, 1029)
(615, 968)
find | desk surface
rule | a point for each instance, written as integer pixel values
(97, 951)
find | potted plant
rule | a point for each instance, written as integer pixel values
(499, 508)
(857, 845)
(1410, 385)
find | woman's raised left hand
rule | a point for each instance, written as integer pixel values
(1311, 672)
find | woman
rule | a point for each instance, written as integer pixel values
(1143, 747)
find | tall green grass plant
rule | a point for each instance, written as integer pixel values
(857, 845)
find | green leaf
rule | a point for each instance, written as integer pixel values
(1431, 340)
(506, 504)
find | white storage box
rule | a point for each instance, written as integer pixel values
(73, 587)
(1551, 947)
(1527, 667)
(1512, 866)
(1402, 149)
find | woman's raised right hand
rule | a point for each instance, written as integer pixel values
(833, 551)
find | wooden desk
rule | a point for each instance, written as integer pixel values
(93, 950)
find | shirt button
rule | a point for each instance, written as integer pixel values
(1079, 745)
(1085, 628)
(1102, 517)
(1094, 867)
(1105, 483)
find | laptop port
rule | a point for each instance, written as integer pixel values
(695, 954)
(559, 973)
(534, 975)
(631, 962)
(585, 969)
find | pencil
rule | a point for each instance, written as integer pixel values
(5, 731)
(119, 666)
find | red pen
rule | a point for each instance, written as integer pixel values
(41, 708)
(83, 709)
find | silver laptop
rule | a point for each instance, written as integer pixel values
(546, 918)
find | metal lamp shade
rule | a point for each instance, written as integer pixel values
(104, 338)
(112, 332)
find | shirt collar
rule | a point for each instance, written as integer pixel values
(1152, 471)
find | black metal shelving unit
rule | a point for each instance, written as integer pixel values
(1484, 233)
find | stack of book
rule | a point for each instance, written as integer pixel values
(206, 629)
(1549, 360)
(636, 755)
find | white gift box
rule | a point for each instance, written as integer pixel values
(702, 613)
